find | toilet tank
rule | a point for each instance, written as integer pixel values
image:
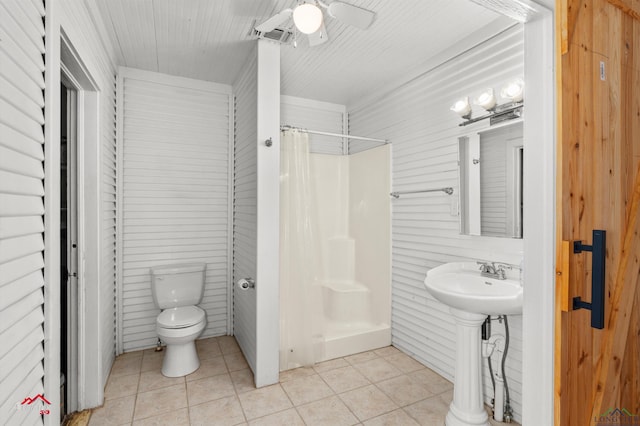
(177, 285)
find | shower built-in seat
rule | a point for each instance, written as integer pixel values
(347, 302)
(350, 324)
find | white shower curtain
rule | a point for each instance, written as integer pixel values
(301, 314)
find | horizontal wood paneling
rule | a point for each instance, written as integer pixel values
(314, 115)
(424, 132)
(245, 197)
(175, 194)
(21, 209)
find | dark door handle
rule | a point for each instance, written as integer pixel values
(598, 251)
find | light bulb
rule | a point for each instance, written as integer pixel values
(486, 100)
(514, 90)
(462, 108)
(308, 18)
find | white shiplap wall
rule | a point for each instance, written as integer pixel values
(424, 133)
(175, 180)
(86, 33)
(315, 115)
(21, 207)
(245, 196)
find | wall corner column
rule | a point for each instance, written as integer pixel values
(268, 215)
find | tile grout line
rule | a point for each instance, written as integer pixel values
(353, 362)
(186, 392)
(235, 389)
(338, 395)
(135, 399)
(376, 385)
(290, 401)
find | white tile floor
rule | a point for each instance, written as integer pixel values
(381, 387)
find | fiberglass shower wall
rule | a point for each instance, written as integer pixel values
(352, 222)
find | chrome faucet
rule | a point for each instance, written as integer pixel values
(487, 268)
(493, 270)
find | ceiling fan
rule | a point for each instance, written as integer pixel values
(308, 18)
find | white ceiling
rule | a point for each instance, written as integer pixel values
(209, 40)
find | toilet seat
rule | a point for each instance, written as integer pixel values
(181, 317)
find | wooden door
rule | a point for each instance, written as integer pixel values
(598, 65)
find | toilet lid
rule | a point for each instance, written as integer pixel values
(184, 316)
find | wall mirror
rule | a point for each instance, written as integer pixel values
(490, 173)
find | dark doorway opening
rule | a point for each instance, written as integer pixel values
(68, 251)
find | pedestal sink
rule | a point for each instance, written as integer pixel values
(471, 297)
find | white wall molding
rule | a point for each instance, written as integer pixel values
(119, 210)
(230, 213)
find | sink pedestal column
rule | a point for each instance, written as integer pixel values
(467, 407)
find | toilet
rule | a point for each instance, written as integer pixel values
(177, 289)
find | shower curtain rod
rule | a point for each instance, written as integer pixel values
(339, 135)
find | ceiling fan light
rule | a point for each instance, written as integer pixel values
(308, 18)
(462, 108)
(486, 100)
(513, 90)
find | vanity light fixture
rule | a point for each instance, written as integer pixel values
(462, 108)
(512, 92)
(486, 99)
(307, 17)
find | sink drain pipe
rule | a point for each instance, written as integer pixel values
(501, 402)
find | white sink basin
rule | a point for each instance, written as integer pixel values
(460, 286)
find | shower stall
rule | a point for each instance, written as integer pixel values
(335, 251)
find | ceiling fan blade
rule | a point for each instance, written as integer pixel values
(318, 37)
(352, 15)
(275, 21)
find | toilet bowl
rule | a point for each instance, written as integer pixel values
(177, 289)
(178, 328)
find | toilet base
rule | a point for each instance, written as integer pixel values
(180, 359)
